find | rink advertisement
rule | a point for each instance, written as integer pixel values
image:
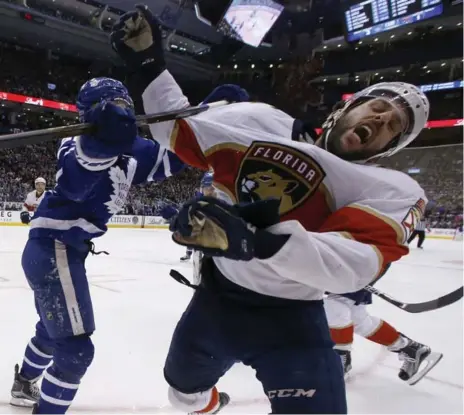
(12, 218)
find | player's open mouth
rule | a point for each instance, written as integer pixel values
(364, 132)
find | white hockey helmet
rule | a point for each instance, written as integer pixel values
(40, 180)
(405, 96)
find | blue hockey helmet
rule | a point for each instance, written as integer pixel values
(207, 180)
(99, 89)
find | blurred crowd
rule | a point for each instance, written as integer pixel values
(439, 171)
(284, 85)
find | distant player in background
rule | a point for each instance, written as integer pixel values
(206, 189)
(33, 200)
(419, 231)
(347, 315)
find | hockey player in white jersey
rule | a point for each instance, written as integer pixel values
(33, 199)
(292, 221)
(348, 314)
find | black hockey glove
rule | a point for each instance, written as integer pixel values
(25, 217)
(136, 38)
(216, 228)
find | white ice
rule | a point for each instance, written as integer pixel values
(137, 306)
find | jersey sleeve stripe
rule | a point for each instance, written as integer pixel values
(370, 228)
(184, 143)
(401, 237)
(225, 146)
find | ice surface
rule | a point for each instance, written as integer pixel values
(137, 306)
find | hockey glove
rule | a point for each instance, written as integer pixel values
(228, 92)
(168, 212)
(25, 217)
(136, 38)
(216, 228)
(115, 130)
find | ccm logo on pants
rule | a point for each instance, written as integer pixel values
(291, 393)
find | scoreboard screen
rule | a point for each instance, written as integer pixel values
(370, 17)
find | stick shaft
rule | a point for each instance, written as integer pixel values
(54, 133)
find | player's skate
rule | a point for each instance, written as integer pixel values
(345, 356)
(186, 257)
(415, 354)
(24, 392)
(224, 400)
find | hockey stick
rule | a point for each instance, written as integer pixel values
(49, 134)
(440, 302)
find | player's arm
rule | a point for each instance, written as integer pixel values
(355, 245)
(154, 163)
(351, 249)
(27, 207)
(148, 77)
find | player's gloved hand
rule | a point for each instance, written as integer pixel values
(25, 217)
(115, 130)
(168, 211)
(228, 92)
(136, 38)
(216, 228)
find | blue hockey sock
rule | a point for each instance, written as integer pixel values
(35, 361)
(57, 391)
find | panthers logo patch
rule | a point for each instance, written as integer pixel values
(274, 170)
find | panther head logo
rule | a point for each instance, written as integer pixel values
(266, 184)
(274, 170)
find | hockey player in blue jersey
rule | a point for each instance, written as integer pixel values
(95, 173)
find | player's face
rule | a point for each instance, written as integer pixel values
(40, 187)
(367, 129)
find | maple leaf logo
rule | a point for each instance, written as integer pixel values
(121, 183)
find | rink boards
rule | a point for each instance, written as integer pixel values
(12, 218)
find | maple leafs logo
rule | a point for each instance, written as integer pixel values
(121, 183)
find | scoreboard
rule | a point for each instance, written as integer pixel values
(370, 17)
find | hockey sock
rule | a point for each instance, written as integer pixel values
(342, 337)
(387, 335)
(35, 361)
(57, 391)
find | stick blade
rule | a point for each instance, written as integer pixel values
(441, 302)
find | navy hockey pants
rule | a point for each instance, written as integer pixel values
(288, 345)
(56, 273)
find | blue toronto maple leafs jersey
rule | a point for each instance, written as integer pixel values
(89, 192)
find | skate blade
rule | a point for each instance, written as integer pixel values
(22, 402)
(431, 361)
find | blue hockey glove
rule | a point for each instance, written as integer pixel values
(115, 130)
(136, 38)
(216, 228)
(228, 92)
(168, 211)
(25, 217)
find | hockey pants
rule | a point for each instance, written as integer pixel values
(288, 345)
